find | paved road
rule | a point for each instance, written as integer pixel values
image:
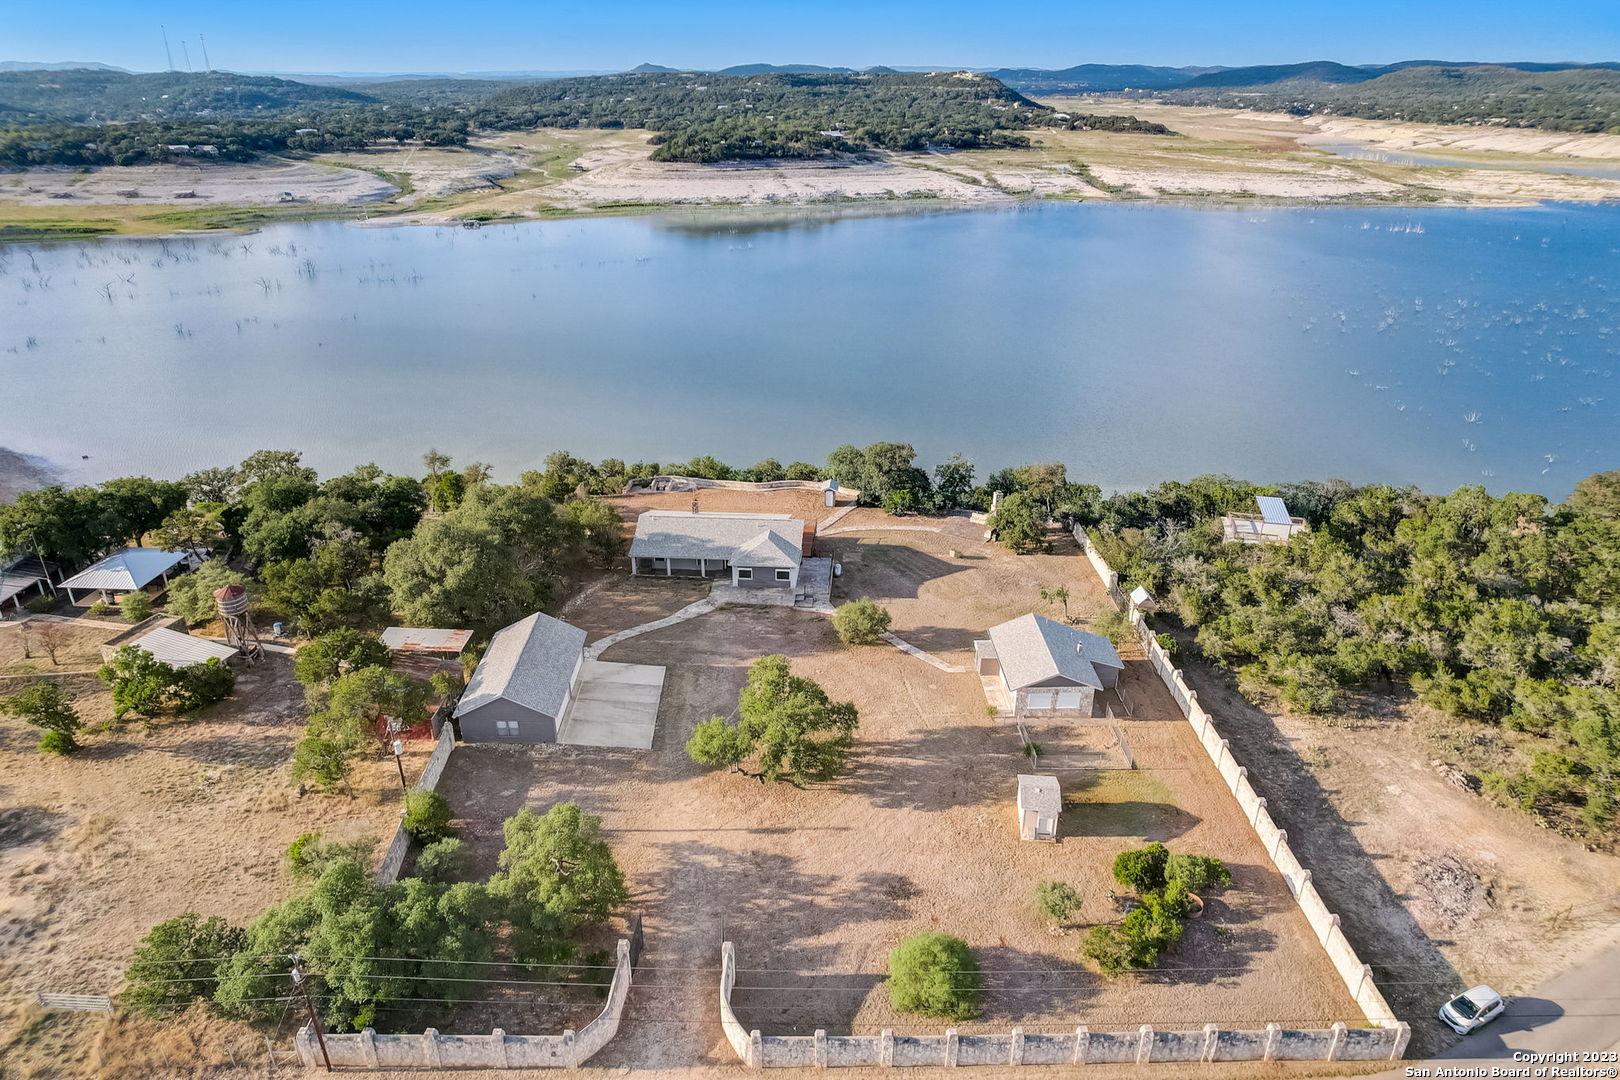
(1576, 1010)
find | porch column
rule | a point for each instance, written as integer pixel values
(632, 566)
(72, 599)
(669, 567)
(703, 568)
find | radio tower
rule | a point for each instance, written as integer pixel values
(168, 54)
(232, 604)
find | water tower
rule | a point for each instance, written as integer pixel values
(232, 604)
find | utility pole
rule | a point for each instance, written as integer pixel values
(185, 52)
(299, 981)
(168, 53)
(399, 759)
(204, 43)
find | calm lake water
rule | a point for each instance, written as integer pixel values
(1365, 152)
(1440, 347)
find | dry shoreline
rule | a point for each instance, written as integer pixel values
(1219, 157)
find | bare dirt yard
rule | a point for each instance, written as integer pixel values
(147, 821)
(816, 885)
(1438, 888)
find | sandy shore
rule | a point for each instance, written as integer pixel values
(23, 472)
(1437, 138)
(256, 183)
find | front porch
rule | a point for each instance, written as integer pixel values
(658, 566)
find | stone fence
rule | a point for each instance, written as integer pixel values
(497, 1050)
(1323, 922)
(1082, 1046)
(394, 858)
(641, 484)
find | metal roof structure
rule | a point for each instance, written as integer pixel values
(1034, 650)
(21, 574)
(423, 639)
(530, 663)
(1273, 510)
(127, 570)
(680, 534)
(181, 650)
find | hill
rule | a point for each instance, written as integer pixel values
(1583, 99)
(1321, 71)
(1095, 78)
(85, 96)
(60, 65)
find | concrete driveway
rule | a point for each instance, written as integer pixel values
(615, 705)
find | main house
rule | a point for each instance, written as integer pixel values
(756, 551)
(1046, 667)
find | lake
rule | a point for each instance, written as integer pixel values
(1134, 343)
(1366, 152)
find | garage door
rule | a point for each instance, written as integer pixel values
(1041, 699)
(1068, 699)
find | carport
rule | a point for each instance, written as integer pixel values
(614, 705)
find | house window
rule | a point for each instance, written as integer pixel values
(506, 729)
(745, 573)
(784, 575)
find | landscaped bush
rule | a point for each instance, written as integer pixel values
(1115, 626)
(1196, 873)
(861, 622)
(935, 975)
(309, 856)
(135, 606)
(1143, 868)
(57, 742)
(1056, 901)
(337, 653)
(427, 815)
(47, 706)
(43, 603)
(99, 609)
(144, 685)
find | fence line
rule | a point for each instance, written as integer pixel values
(1083, 1046)
(496, 1050)
(1356, 975)
(393, 859)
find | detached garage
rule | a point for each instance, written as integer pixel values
(1044, 667)
(521, 690)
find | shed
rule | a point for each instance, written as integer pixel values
(1142, 600)
(1272, 525)
(424, 639)
(181, 650)
(1040, 801)
(522, 688)
(125, 571)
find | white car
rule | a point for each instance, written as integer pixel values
(1472, 1009)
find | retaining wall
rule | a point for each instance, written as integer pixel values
(497, 1050)
(1323, 922)
(394, 858)
(1081, 1046)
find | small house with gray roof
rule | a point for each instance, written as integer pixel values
(522, 688)
(755, 551)
(1044, 667)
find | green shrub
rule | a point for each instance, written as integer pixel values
(1114, 625)
(99, 609)
(204, 684)
(1196, 873)
(178, 962)
(1107, 948)
(1056, 901)
(427, 815)
(900, 502)
(309, 856)
(43, 603)
(322, 761)
(1168, 643)
(337, 653)
(191, 596)
(861, 622)
(443, 862)
(935, 975)
(135, 606)
(57, 742)
(1143, 868)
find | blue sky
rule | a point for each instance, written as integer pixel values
(426, 35)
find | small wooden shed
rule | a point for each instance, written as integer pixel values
(1040, 800)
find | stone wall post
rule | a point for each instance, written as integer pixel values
(568, 1050)
(1366, 973)
(1403, 1035)
(368, 1046)
(430, 1048)
(1015, 1055)
(1276, 849)
(1336, 1047)
(498, 1039)
(1082, 1043)
(820, 1049)
(953, 1046)
(886, 1047)
(1212, 1040)
(1144, 1044)
(756, 1050)
(1273, 1037)
(1260, 805)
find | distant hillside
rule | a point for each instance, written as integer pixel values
(81, 96)
(1095, 78)
(433, 92)
(60, 65)
(784, 69)
(715, 117)
(1564, 99)
(1322, 71)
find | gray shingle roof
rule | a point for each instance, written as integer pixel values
(529, 663)
(680, 534)
(1033, 649)
(1040, 793)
